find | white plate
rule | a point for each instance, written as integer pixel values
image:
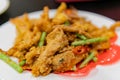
(4, 4)
(7, 35)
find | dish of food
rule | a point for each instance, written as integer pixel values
(4, 4)
(68, 45)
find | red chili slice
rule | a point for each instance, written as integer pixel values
(80, 49)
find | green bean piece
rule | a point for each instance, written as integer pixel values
(81, 36)
(7, 60)
(87, 60)
(42, 39)
(89, 41)
(74, 68)
(21, 63)
(67, 23)
(95, 59)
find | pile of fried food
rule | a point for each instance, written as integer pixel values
(57, 44)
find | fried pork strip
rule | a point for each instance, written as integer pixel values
(33, 54)
(66, 61)
(44, 23)
(73, 30)
(55, 41)
(26, 41)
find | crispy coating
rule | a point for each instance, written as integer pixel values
(33, 54)
(55, 41)
(63, 62)
(74, 29)
(60, 17)
(44, 23)
(66, 61)
(23, 44)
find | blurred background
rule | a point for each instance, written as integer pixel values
(109, 8)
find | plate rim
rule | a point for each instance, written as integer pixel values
(83, 11)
